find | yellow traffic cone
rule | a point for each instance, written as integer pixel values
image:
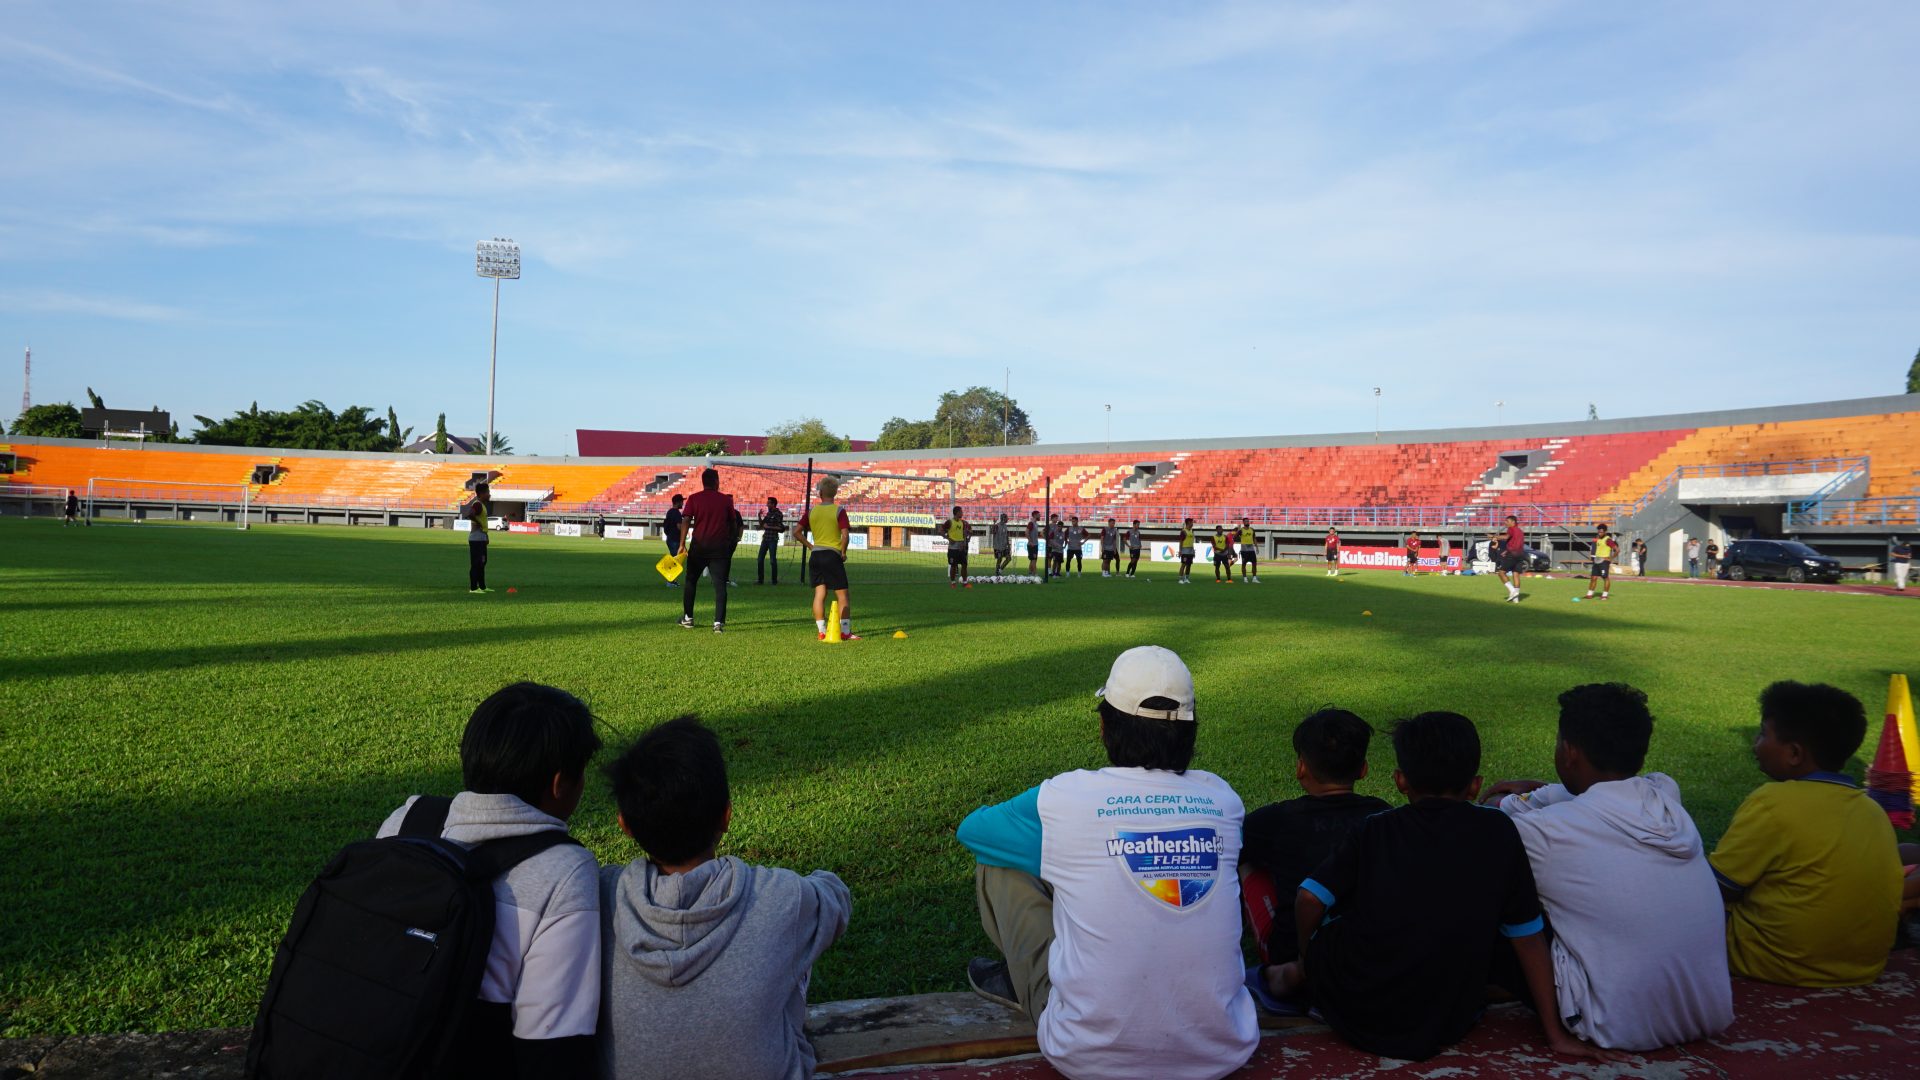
(833, 622)
(1900, 715)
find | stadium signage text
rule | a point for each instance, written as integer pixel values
(1384, 558)
(870, 519)
(566, 529)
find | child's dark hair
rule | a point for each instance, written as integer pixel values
(1609, 723)
(671, 788)
(1333, 743)
(521, 736)
(1827, 720)
(1437, 752)
(1141, 742)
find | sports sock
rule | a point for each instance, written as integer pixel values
(846, 626)
(821, 624)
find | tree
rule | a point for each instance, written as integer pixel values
(807, 435)
(710, 448)
(393, 429)
(60, 421)
(976, 416)
(500, 445)
(95, 399)
(311, 426)
(440, 434)
(1913, 375)
(903, 434)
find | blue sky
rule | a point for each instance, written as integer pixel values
(1220, 219)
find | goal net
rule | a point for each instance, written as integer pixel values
(897, 520)
(110, 500)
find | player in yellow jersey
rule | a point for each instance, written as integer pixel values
(1249, 552)
(825, 532)
(1186, 553)
(1222, 554)
(957, 532)
(1604, 550)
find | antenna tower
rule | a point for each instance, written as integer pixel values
(26, 384)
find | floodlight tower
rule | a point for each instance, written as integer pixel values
(499, 259)
(26, 384)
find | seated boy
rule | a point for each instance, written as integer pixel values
(1631, 974)
(1285, 841)
(1402, 921)
(1809, 868)
(523, 761)
(707, 958)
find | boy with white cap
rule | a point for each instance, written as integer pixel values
(1145, 851)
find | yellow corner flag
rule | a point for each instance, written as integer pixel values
(1900, 714)
(671, 566)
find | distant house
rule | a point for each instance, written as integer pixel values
(456, 444)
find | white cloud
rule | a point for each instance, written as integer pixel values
(49, 302)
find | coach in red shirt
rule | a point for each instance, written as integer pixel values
(708, 532)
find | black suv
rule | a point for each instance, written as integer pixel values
(1777, 559)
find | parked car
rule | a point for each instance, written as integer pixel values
(1776, 559)
(496, 524)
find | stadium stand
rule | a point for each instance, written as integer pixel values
(1603, 467)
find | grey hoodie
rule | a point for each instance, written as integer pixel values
(1639, 933)
(705, 973)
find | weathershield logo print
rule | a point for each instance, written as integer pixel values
(1177, 867)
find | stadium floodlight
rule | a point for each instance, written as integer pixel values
(1376, 414)
(499, 259)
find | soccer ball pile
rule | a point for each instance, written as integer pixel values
(1006, 579)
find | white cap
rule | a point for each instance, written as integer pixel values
(1146, 672)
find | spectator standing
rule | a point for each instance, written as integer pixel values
(1693, 556)
(476, 512)
(772, 522)
(1900, 561)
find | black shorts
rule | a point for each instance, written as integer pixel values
(826, 567)
(1412, 559)
(1333, 555)
(1603, 568)
(956, 554)
(1246, 553)
(1003, 553)
(1513, 563)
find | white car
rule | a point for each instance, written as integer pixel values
(496, 524)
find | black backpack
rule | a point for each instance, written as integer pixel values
(382, 963)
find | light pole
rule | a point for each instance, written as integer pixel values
(1109, 429)
(1499, 412)
(498, 258)
(1376, 414)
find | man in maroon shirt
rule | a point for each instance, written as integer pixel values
(708, 531)
(1513, 558)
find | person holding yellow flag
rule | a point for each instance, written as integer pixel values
(957, 531)
(825, 533)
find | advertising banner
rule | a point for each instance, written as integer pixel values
(523, 526)
(937, 545)
(1089, 549)
(868, 519)
(751, 538)
(1169, 551)
(855, 541)
(566, 529)
(1385, 558)
(462, 525)
(626, 532)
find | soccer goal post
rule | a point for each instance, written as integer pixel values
(113, 498)
(896, 519)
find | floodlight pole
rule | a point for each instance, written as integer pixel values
(497, 258)
(1376, 414)
(493, 363)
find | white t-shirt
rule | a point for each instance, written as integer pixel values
(1639, 932)
(1145, 963)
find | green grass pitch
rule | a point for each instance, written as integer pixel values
(193, 719)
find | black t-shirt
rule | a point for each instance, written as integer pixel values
(672, 528)
(1289, 840)
(1419, 897)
